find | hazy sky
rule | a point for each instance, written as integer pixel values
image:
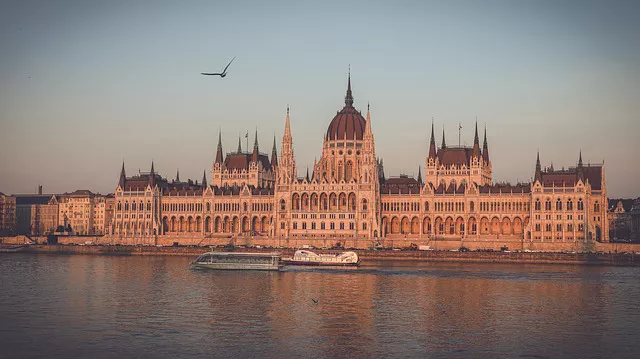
(86, 84)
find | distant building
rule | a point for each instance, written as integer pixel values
(346, 196)
(619, 218)
(76, 212)
(7, 215)
(29, 211)
(635, 220)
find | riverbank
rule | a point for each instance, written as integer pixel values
(615, 259)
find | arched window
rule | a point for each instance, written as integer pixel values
(569, 205)
(426, 206)
(119, 206)
(208, 207)
(596, 207)
(471, 206)
(282, 205)
(364, 205)
(537, 206)
(558, 205)
(547, 205)
(245, 206)
(133, 206)
(580, 205)
(349, 171)
(149, 206)
(126, 206)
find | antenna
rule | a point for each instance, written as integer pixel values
(459, 132)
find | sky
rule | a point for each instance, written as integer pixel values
(86, 85)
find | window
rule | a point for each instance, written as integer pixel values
(282, 225)
(341, 225)
(580, 205)
(364, 225)
(548, 227)
(282, 205)
(538, 227)
(569, 205)
(351, 225)
(570, 227)
(596, 207)
(313, 225)
(333, 225)
(547, 205)
(295, 225)
(537, 205)
(558, 205)
(322, 225)
(558, 227)
(304, 225)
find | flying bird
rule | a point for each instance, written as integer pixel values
(221, 74)
(314, 301)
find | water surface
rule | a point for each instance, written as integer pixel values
(144, 306)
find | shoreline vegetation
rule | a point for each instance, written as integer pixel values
(367, 256)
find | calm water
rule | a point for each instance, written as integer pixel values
(102, 306)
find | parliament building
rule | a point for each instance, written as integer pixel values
(347, 198)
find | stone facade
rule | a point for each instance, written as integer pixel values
(7, 215)
(347, 198)
(78, 210)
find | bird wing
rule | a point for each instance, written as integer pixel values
(204, 73)
(225, 69)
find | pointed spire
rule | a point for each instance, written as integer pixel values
(485, 148)
(239, 144)
(219, 154)
(123, 176)
(274, 153)
(420, 175)
(538, 174)
(367, 129)
(432, 143)
(348, 99)
(152, 176)
(204, 179)
(580, 168)
(254, 155)
(476, 142)
(444, 143)
(307, 176)
(178, 175)
(287, 125)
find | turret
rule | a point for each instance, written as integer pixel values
(152, 176)
(538, 175)
(219, 154)
(432, 143)
(204, 179)
(580, 168)
(123, 177)
(485, 148)
(254, 154)
(444, 143)
(476, 144)
(274, 154)
(178, 175)
(239, 145)
(420, 175)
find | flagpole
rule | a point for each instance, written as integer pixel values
(459, 131)
(247, 137)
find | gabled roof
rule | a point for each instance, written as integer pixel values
(569, 177)
(400, 185)
(240, 161)
(455, 156)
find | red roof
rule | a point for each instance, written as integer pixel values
(240, 161)
(455, 156)
(400, 185)
(569, 177)
(347, 124)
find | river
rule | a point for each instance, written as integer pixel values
(84, 306)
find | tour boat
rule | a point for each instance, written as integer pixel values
(237, 260)
(304, 257)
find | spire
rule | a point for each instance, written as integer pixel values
(476, 143)
(254, 155)
(204, 179)
(368, 125)
(348, 99)
(307, 177)
(287, 125)
(485, 148)
(580, 169)
(239, 144)
(123, 176)
(432, 144)
(178, 175)
(152, 176)
(219, 155)
(420, 175)
(274, 153)
(538, 175)
(444, 144)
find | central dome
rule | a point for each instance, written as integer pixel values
(348, 123)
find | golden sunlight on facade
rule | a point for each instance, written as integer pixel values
(347, 197)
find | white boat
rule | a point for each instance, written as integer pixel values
(304, 257)
(237, 260)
